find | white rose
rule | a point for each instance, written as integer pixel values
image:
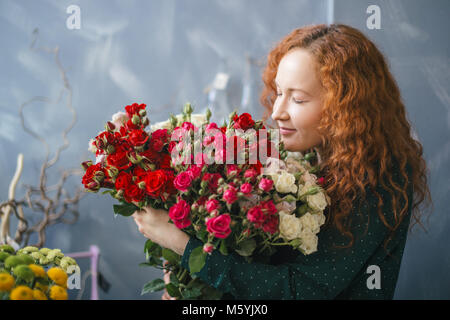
(119, 119)
(309, 242)
(290, 227)
(303, 188)
(273, 166)
(92, 148)
(198, 119)
(309, 177)
(294, 166)
(161, 125)
(285, 206)
(308, 222)
(285, 183)
(317, 202)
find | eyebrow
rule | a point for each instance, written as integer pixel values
(292, 89)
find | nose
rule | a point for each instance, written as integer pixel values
(279, 110)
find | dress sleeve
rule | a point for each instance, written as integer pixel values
(320, 275)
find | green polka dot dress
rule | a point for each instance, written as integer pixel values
(363, 271)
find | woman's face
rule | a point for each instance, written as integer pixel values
(298, 104)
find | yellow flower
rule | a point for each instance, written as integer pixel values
(58, 276)
(58, 293)
(39, 295)
(21, 293)
(6, 282)
(41, 286)
(37, 270)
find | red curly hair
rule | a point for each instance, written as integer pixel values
(359, 90)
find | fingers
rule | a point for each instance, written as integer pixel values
(167, 273)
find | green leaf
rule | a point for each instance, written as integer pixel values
(146, 264)
(223, 247)
(150, 247)
(246, 247)
(173, 290)
(174, 279)
(170, 256)
(126, 209)
(153, 286)
(155, 261)
(197, 259)
(192, 293)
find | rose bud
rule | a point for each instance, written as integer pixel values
(113, 172)
(142, 112)
(110, 149)
(141, 185)
(214, 213)
(119, 194)
(321, 181)
(135, 119)
(93, 186)
(109, 126)
(208, 248)
(99, 175)
(146, 122)
(86, 164)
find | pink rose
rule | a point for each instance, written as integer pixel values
(179, 213)
(219, 226)
(208, 248)
(183, 181)
(269, 207)
(211, 205)
(271, 225)
(265, 184)
(250, 173)
(232, 168)
(246, 188)
(195, 172)
(256, 216)
(230, 195)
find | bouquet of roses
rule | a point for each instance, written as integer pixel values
(133, 164)
(237, 193)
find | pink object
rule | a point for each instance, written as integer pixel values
(93, 254)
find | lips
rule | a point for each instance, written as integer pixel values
(286, 131)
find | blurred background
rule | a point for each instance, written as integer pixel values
(210, 53)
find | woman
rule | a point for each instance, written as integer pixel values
(328, 88)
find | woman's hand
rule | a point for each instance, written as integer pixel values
(154, 225)
(166, 295)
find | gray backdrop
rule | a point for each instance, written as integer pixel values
(164, 53)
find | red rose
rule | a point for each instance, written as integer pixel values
(244, 121)
(183, 181)
(151, 155)
(179, 213)
(165, 161)
(138, 137)
(133, 193)
(123, 180)
(119, 158)
(134, 109)
(93, 177)
(219, 226)
(155, 182)
(158, 139)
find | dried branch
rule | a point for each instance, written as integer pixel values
(49, 210)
